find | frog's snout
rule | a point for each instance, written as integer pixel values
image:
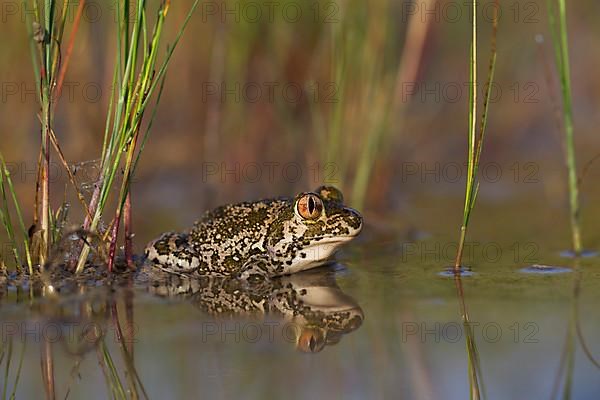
(355, 221)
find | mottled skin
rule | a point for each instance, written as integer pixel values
(265, 238)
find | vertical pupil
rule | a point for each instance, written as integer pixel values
(311, 205)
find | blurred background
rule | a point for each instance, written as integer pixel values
(269, 98)
(266, 99)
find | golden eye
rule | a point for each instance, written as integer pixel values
(311, 340)
(309, 206)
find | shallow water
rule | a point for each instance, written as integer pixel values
(398, 329)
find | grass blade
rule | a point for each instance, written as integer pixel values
(475, 141)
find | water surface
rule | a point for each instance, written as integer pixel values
(384, 322)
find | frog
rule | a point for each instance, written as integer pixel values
(261, 239)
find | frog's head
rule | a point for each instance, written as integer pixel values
(314, 226)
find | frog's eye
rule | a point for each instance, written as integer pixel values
(309, 206)
(311, 340)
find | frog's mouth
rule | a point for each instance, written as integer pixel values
(331, 239)
(336, 238)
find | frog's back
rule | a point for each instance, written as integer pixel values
(221, 240)
(237, 229)
(254, 215)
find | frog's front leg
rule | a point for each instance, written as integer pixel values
(259, 267)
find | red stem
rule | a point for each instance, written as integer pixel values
(130, 319)
(63, 69)
(128, 232)
(46, 193)
(113, 241)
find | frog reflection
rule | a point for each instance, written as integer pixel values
(311, 300)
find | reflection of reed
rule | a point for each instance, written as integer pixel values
(114, 374)
(6, 354)
(476, 387)
(125, 341)
(567, 359)
(48, 369)
(586, 350)
(83, 324)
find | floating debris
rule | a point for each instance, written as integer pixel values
(583, 254)
(450, 272)
(545, 269)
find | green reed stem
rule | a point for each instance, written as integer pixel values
(5, 179)
(561, 50)
(475, 141)
(7, 222)
(46, 100)
(136, 84)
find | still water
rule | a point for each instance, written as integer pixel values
(385, 321)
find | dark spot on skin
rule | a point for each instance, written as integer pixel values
(180, 240)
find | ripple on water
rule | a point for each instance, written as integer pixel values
(584, 254)
(450, 273)
(545, 269)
